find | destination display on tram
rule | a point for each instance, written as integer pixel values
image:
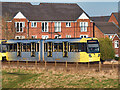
(92, 41)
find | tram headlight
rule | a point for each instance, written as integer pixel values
(90, 55)
(98, 55)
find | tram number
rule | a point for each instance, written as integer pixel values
(65, 49)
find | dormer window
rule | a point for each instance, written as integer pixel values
(33, 24)
(83, 26)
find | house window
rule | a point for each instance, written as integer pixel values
(83, 36)
(57, 36)
(116, 55)
(83, 26)
(110, 36)
(19, 37)
(34, 36)
(44, 26)
(19, 26)
(68, 36)
(33, 24)
(44, 36)
(57, 26)
(68, 24)
(116, 44)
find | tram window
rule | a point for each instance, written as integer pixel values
(58, 47)
(45, 47)
(15, 47)
(37, 47)
(4, 49)
(78, 47)
(24, 47)
(49, 49)
(83, 47)
(55, 47)
(33, 49)
(11, 48)
(28, 47)
(19, 49)
(0, 47)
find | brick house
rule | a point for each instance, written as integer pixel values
(108, 26)
(116, 43)
(63, 20)
(48, 20)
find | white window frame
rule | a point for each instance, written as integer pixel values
(84, 36)
(20, 37)
(44, 30)
(116, 55)
(33, 24)
(23, 25)
(110, 36)
(57, 27)
(17, 37)
(68, 36)
(69, 24)
(83, 26)
(46, 36)
(34, 36)
(57, 36)
(116, 42)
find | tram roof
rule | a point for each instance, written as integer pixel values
(52, 40)
(22, 40)
(70, 39)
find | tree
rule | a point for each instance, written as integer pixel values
(106, 48)
(8, 28)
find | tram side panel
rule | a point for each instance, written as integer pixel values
(23, 52)
(59, 52)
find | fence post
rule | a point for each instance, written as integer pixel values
(88, 64)
(26, 64)
(112, 65)
(45, 64)
(55, 63)
(35, 64)
(9, 63)
(17, 63)
(66, 64)
(76, 65)
(99, 65)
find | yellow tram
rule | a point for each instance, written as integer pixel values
(3, 49)
(50, 50)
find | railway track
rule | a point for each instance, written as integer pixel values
(49, 65)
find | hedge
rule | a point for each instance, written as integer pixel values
(106, 49)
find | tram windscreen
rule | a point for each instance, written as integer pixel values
(3, 49)
(93, 48)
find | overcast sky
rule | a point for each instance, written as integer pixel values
(92, 7)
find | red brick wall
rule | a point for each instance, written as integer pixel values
(113, 19)
(98, 33)
(74, 30)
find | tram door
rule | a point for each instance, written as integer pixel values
(49, 49)
(33, 49)
(65, 49)
(19, 49)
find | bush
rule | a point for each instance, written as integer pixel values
(106, 49)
